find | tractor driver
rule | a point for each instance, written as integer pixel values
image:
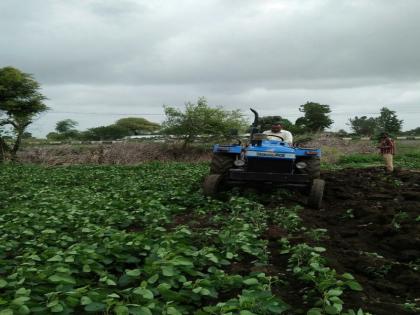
(277, 130)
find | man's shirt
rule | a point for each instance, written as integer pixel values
(387, 146)
(286, 135)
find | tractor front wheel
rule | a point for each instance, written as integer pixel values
(316, 194)
(221, 163)
(211, 185)
(313, 167)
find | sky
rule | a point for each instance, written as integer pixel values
(101, 60)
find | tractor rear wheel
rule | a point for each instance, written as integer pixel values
(211, 185)
(316, 194)
(221, 163)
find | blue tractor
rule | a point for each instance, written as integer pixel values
(261, 161)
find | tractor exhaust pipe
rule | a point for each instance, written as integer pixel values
(255, 123)
(254, 126)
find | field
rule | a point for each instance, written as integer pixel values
(336, 153)
(144, 240)
(407, 156)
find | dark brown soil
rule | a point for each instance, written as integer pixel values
(373, 224)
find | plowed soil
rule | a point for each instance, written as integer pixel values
(373, 222)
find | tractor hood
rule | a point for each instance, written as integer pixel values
(271, 149)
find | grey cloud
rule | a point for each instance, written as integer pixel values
(102, 42)
(103, 55)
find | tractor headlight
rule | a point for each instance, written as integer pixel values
(239, 163)
(301, 165)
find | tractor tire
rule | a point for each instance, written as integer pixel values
(316, 194)
(313, 168)
(211, 185)
(221, 163)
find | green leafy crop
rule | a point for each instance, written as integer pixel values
(102, 240)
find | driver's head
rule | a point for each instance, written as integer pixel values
(276, 127)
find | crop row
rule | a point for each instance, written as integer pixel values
(144, 240)
(100, 240)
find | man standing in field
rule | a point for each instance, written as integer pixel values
(277, 130)
(387, 149)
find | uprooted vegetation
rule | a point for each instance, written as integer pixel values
(144, 240)
(129, 153)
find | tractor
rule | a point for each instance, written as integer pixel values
(261, 162)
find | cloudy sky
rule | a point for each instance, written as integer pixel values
(100, 60)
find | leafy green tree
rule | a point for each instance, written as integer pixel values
(267, 121)
(363, 126)
(53, 136)
(20, 102)
(66, 125)
(137, 125)
(56, 136)
(342, 133)
(412, 132)
(388, 121)
(27, 135)
(111, 132)
(316, 117)
(201, 119)
(65, 129)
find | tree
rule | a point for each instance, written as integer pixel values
(201, 119)
(111, 132)
(267, 121)
(364, 126)
(342, 133)
(388, 121)
(65, 129)
(137, 125)
(412, 132)
(20, 102)
(315, 117)
(65, 125)
(27, 135)
(54, 136)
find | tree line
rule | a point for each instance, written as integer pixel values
(129, 126)
(21, 101)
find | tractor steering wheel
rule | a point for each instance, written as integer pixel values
(282, 139)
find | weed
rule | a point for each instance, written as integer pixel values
(371, 254)
(414, 265)
(317, 234)
(379, 272)
(288, 218)
(398, 219)
(307, 263)
(397, 183)
(411, 306)
(349, 214)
